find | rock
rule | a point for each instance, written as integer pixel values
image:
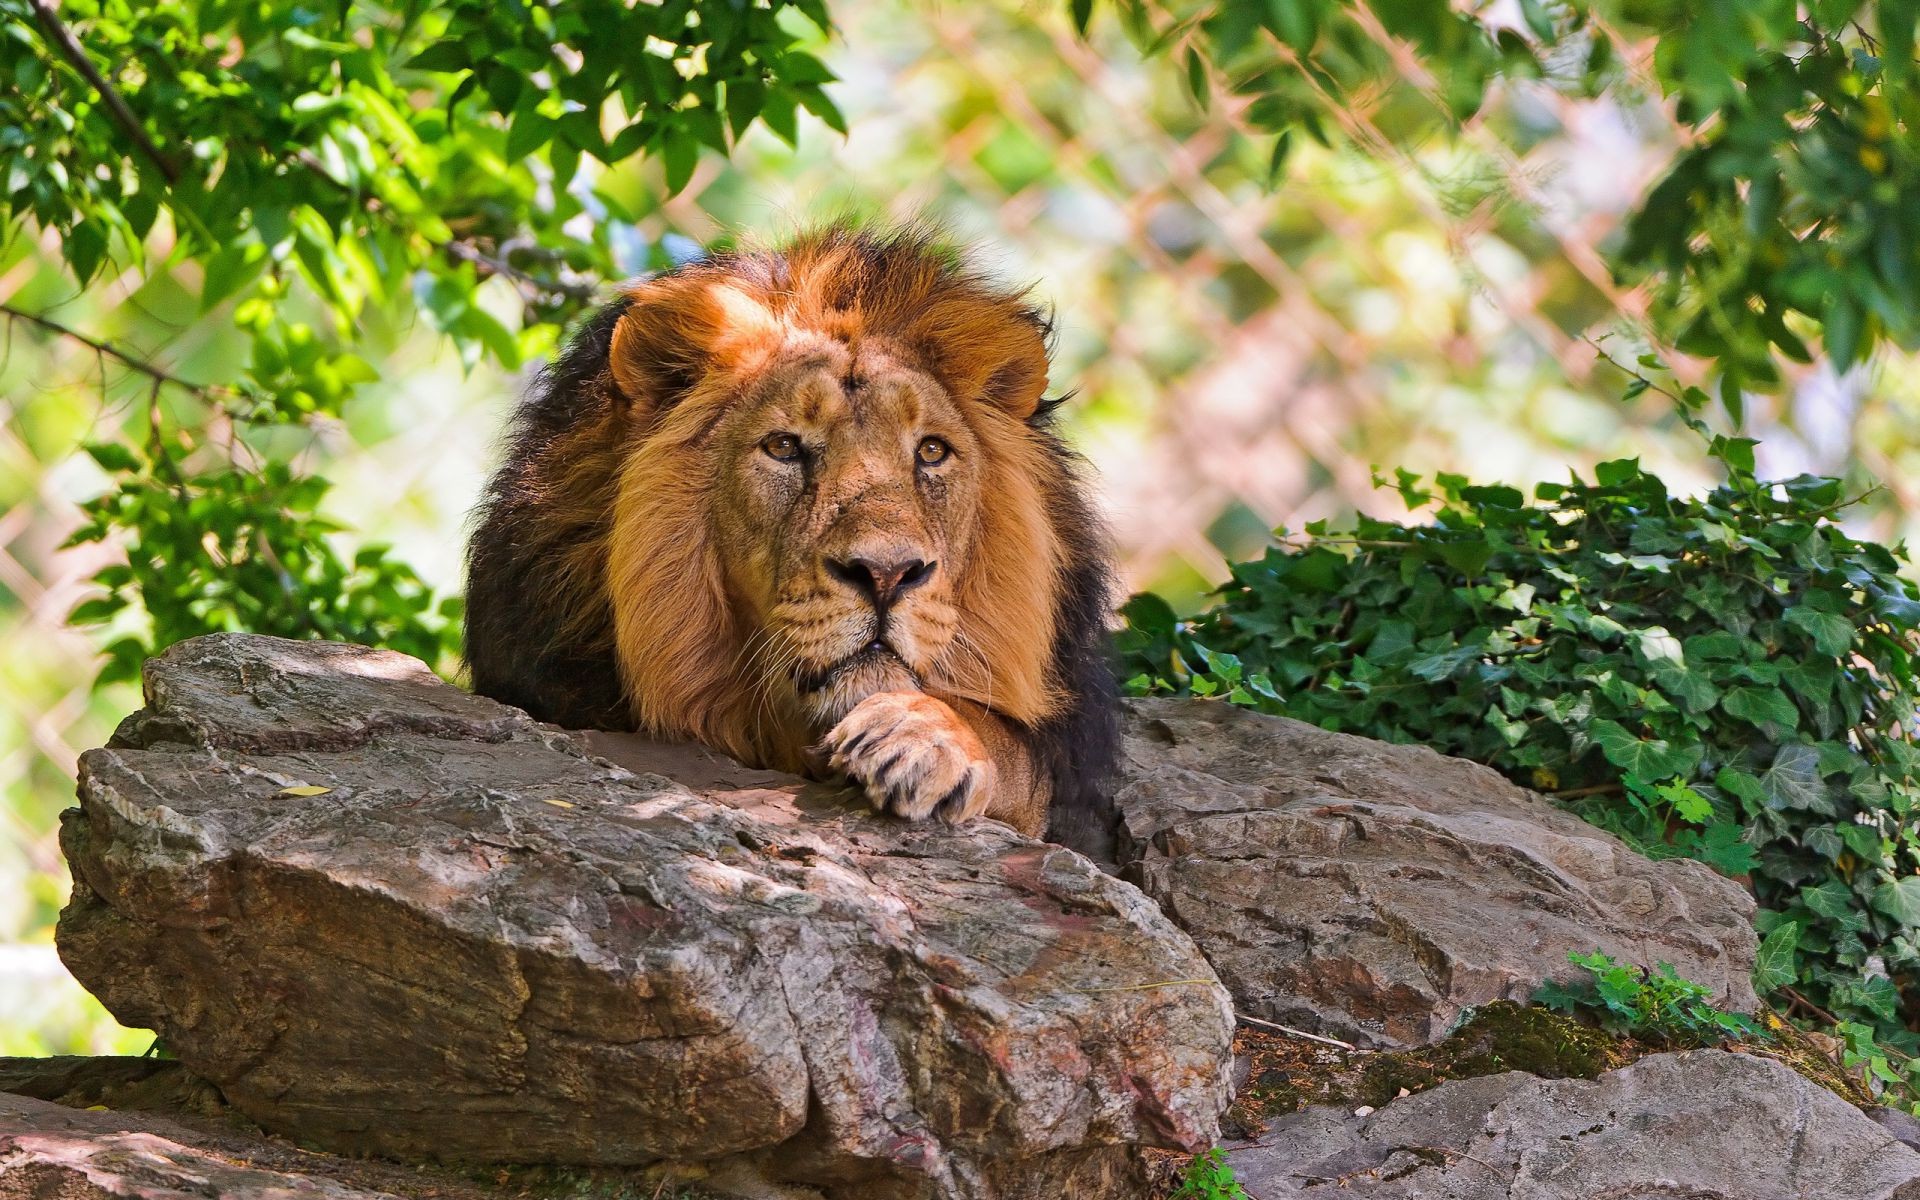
(1375, 892)
(68, 1154)
(1904, 1126)
(1704, 1124)
(110, 1081)
(51, 1152)
(384, 916)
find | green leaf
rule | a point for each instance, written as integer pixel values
(1688, 804)
(1831, 633)
(1843, 328)
(1644, 758)
(1769, 708)
(1774, 964)
(1794, 781)
(1538, 20)
(1899, 899)
(112, 457)
(1722, 847)
(1277, 162)
(448, 55)
(229, 269)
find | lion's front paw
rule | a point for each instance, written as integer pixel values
(914, 756)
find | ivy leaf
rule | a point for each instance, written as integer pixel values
(1899, 899)
(1722, 847)
(1646, 758)
(1794, 782)
(1688, 804)
(1769, 708)
(1831, 633)
(1831, 899)
(1876, 995)
(1773, 964)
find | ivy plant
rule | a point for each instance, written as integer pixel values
(1728, 676)
(1657, 1005)
(1208, 1176)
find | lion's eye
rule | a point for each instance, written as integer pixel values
(932, 451)
(782, 446)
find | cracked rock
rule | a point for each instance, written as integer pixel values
(1375, 892)
(1703, 1125)
(385, 916)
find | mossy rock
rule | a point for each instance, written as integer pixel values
(1286, 1075)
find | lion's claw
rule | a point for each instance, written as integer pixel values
(913, 756)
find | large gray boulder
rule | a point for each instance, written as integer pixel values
(1375, 892)
(1703, 1125)
(385, 916)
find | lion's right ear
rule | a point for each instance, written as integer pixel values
(680, 330)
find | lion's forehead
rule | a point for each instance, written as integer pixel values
(870, 398)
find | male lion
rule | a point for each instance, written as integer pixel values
(807, 506)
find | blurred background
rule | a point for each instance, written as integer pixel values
(1240, 356)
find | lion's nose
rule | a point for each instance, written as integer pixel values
(881, 580)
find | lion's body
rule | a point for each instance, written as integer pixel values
(644, 560)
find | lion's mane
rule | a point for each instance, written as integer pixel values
(541, 613)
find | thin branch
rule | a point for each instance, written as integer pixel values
(1290, 1031)
(460, 248)
(466, 250)
(76, 55)
(133, 362)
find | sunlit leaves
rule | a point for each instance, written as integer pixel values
(317, 168)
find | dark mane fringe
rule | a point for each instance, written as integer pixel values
(530, 641)
(1078, 750)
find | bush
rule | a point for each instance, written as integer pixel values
(1729, 677)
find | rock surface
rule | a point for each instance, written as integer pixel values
(1703, 1125)
(56, 1153)
(1375, 892)
(381, 915)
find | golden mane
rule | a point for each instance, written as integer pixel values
(596, 543)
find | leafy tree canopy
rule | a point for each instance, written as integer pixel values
(319, 167)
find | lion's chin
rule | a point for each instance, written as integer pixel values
(830, 693)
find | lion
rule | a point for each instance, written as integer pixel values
(808, 506)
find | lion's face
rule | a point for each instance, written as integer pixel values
(848, 489)
(831, 487)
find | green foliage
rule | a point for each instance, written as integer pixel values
(238, 550)
(1656, 1005)
(1890, 1076)
(1208, 1177)
(328, 170)
(1729, 676)
(1794, 207)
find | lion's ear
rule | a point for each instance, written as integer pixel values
(679, 330)
(989, 351)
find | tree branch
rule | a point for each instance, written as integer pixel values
(133, 362)
(70, 49)
(498, 265)
(463, 248)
